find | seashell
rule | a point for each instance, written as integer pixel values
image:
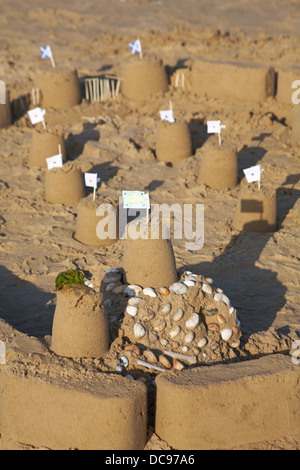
(132, 290)
(209, 313)
(219, 290)
(184, 349)
(221, 319)
(164, 342)
(179, 288)
(231, 310)
(160, 325)
(134, 300)
(153, 337)
(124, 361)
(166, 309)
(111, 277)
(177, 365)
(193, 321)
(150, 356)
(174, 331)
(138, 330)
(235, 343)
(119, 368)
(131, 310)
(148, 316)
(132, 348)
(213, 327)
(187, 272)
(163, 291)
(202, 342)
(207, 288)
(118, 289)
(164, 361)
(220, 297)
(226, 334)
(178, 314)
(189, 283)
(189, 337)
(111, 285)
(149, 291)
(235, 330)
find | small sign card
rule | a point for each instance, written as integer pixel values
(55, 162)
(36, 115)
(135, 200)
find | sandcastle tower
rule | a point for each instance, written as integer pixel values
(45, 144)
(143, 77)
(256, 209)
(59, 87)
(80, 327)
(173, 141)
(88, 223)
(64, 185)
(219, 165)
(5, 112)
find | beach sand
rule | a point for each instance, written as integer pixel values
(117, 139)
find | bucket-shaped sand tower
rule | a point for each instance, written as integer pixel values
(64, 185)
(97, 222)
(256, 209)
(59, 88)
(5, 112)
(219, 165)
(149, 262)
(296, 126)
(45, 144)
(80, 327)
(173, 141)
(143, 77)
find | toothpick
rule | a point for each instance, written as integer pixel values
(52, 61)
(44, 124)
(94, 194)
(171, 106)
(118, 87)
(219, 135)
(258, 185)
(176, 79)
(59, 149)
(101, 90)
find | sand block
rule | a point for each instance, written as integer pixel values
(107, 412)
(45, 144)
(285, 79)
(64, 185)
(142, 78)
(229, 405)
(295, 136)
(173, 141)
(5, 112)
(60, 88)
(232, 81)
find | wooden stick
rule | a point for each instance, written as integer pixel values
(177, 79)
(150, 366)
(87, 96)
(219, 135)
(184, 357)
(118, 88)
(101, 89)
(52, 61)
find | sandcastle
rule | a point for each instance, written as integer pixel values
(173, 141)
(87, 228)
(64, 185)
(59, 88)
(143, 77)
(256, 209)
(45, 144)
(219, 165)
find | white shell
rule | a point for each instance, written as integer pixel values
(220, 297)
(226, 334)
(207, 288)
(179, 288)
(149, 291)
(189, 337)
(178, 314)
(166, 308)
(124, 361)
(193, 321)
(184, 349)
(134, 300)
(202, 342)
(111, 277)
(132, 290)
(231, 310)
(131, 310)
(175, 331)
(138, 330)
(189, 283)
(159, 325)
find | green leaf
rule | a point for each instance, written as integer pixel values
(69, 277)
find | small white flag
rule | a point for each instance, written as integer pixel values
(167, 115)
(46, 52)
(36, 115)
(214, 127)
(91, 180)
(135, 47)
(253, 173)
(55, 162)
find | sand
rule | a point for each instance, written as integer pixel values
(259, 271)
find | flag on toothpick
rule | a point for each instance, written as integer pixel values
(136, 47)
(253, 173)
(36, 115)
(91, 180)
(47, 54)
(214, 127)
(167, 115)
(55, 162)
